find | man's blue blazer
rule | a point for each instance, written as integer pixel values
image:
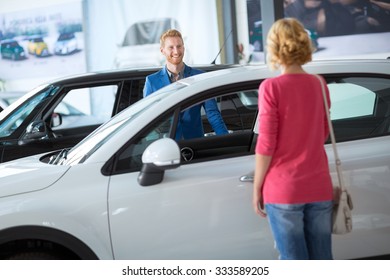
(190, 122)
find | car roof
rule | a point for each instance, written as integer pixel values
(35, 36)
(129, 73)
(314, 67)
(8, 41)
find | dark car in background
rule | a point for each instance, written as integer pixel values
(59, 114)
(11, 49)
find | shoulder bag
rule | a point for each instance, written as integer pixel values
(342, 207)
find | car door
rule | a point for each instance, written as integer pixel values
(202, 210)
(361, 118)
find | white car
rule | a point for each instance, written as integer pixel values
(129, 191)
(141, 44)
(66, 44)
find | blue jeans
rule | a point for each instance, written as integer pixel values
(302, 231)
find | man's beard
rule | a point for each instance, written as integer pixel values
(175, 60)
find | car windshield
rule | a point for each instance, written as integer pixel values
(66, 36)
(91, 143)
(14, 44)
(14, 115)
(38, 40)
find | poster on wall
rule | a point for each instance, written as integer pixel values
(338, 29)
(42, 42)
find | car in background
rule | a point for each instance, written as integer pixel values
(66, 112)
(141, 44)
(130, 191)
(37, 46)
(59, 114)
(11, 49)
(66, 44)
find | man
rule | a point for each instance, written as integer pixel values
(190, 122)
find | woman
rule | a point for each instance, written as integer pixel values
(292, 179)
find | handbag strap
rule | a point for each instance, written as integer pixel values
(332, 137)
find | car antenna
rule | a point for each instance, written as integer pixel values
(224, 43)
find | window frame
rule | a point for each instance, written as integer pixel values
(110, 167)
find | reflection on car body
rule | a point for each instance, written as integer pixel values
(127, 192)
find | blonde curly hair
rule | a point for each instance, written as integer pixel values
(288, 43)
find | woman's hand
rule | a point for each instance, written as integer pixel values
(261, 168)
(257, 203)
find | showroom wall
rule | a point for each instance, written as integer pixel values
(109, 35)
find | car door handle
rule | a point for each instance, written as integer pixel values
(248, 177)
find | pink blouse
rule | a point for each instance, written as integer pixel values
(293, 129)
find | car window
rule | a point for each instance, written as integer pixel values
(132, 91)
(360, 107)
(239, 119)
(130, 159)
(37, 40)
(24, 111)
(86, 106)
(66, 36)
(351, 101)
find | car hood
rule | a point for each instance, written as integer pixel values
(28, 175)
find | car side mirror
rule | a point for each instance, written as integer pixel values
(159, 156)
(36, 130)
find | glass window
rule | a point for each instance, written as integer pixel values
(130, 159)
(132, 91)
(14, 120)
(351, 101)
(360, 107)
(238, 118)
(86, 106)
(238, 111)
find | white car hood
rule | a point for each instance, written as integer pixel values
(27, 175)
